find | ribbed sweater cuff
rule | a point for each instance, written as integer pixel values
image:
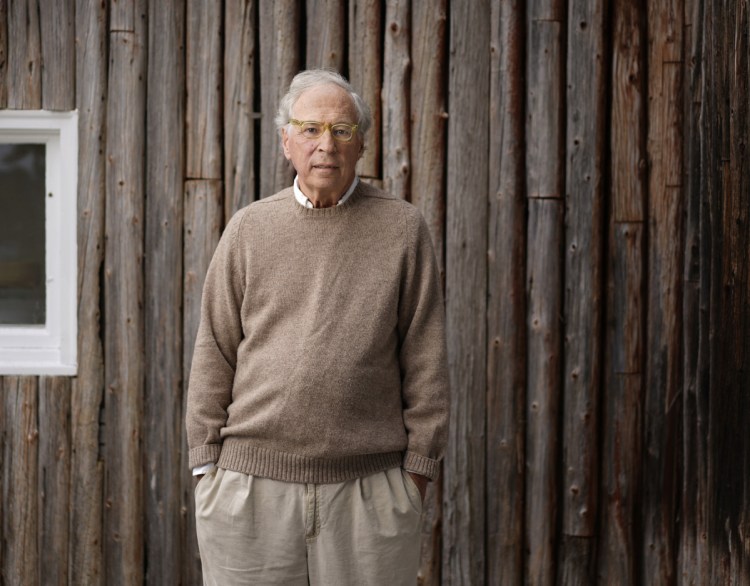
(428, 467)
(203, 455)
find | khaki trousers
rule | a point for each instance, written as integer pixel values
(254, 530)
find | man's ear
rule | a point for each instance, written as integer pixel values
(285, 143)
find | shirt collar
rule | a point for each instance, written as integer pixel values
(302, 198)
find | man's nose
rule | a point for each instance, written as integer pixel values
(326, 142)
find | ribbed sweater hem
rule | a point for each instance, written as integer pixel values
(268, 463)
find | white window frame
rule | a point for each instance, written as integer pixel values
(50, 348)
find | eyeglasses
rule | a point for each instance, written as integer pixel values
(312, 130)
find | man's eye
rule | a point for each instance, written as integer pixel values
(311, 130)
(340, 131)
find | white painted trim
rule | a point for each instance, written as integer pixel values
(51, 348)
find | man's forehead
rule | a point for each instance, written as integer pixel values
(328, 96)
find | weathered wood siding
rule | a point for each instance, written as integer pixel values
(583, 168)
(165, 528)
(464, 486)
(86, 503)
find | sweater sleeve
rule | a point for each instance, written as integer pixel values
(422, 354)
(215, 354)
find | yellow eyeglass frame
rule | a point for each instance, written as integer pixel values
(321, 127)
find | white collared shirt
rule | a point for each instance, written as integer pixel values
(302, 198)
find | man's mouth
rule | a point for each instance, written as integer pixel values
(324, 166)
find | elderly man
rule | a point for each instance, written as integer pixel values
(318, 400)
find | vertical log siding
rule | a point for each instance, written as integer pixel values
(583, 169)
(395, 97)
(123, 307)
(464, 497)
(165, 168)
(506, 301)
(86, 502)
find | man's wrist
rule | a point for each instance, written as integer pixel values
(421, 482)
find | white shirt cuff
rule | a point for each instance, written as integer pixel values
(204, 469)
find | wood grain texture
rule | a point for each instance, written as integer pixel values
(583, 296)
(544, 100)
(165, 167)
(576, 557)
(24, 56)
(629, 184)
(203, 125)
(54, 479)
(279, 63)
(544, 284)
(625, 364)
(506, 299)
(202, 229)
(123, 15)
(715, 157)
(734, 502)
(3, 58)
(694, 556)
(663, 374)
(87, 393)
(57, 25)
(544, 270)
(123, 305)
(326, 31)
(728, 59)
(464, 555)
(628, 167)
(240, 63)
(622, 405)
(431, 535)
(365, 74)
(20, 481)
(201, 232)
(396, 125)
(429, 45)
(427, 189)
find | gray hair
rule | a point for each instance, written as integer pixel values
(311, 78)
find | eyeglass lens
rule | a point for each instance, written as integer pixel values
(342, 132)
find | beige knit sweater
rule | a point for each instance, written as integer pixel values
(320, 355)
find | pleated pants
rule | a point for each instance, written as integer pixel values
(259, 531)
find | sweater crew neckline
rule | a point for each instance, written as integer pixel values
(329, 212)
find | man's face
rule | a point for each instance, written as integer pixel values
(325, 167)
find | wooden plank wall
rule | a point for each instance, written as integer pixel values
(87, 506)
(165, 528)
(464, 486)
(583, 169)
(621, 411)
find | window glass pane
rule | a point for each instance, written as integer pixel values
(22, 271)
